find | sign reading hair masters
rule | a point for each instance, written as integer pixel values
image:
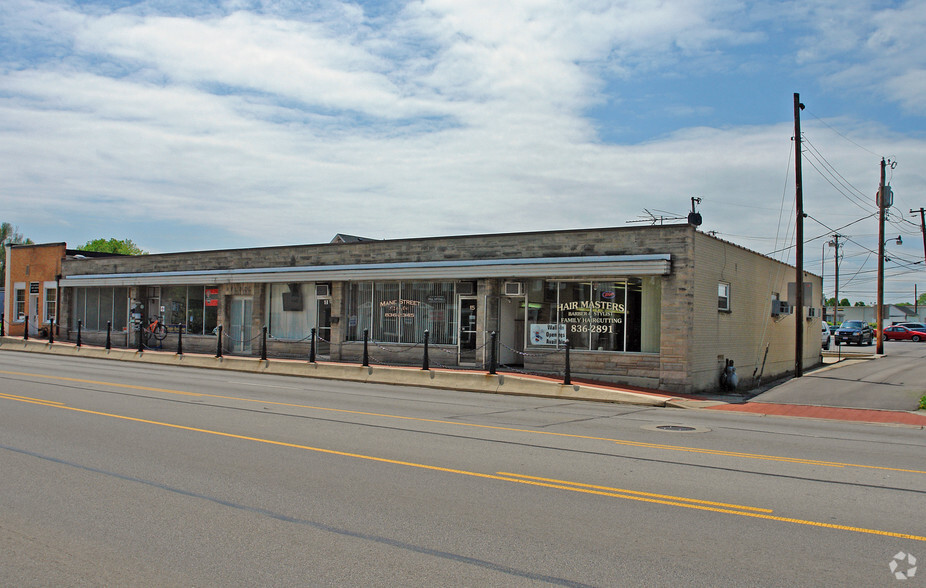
(592, 316)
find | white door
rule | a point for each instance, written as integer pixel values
(33, 314)
(240, 327)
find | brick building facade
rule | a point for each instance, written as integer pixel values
(661, 307)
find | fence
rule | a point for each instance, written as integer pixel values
(147, 340)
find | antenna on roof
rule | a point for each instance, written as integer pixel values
(693, 218)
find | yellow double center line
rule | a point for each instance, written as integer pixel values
(677, 501)
(719, 452)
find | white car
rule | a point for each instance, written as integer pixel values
(826, 336)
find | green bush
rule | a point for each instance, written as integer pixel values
(923, 403)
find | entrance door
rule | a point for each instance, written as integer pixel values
(240, 327)
(323, 322)
(467, 344)
(34, 309)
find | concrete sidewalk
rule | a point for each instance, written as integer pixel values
(449, 379)
(473, 381)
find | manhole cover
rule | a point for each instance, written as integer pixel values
(677, 428)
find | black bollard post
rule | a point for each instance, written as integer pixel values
(79, 325)
(26, 332)
(567, 377)
(493, 354)
(312, 346)
(425, 364)
(109, 330)
(141, 342)
(51, 331)
(180, 340)
(218, 343)
(366, 352)
(263, 344)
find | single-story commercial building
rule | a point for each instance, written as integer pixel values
(661, 307)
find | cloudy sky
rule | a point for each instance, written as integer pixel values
(187, 125)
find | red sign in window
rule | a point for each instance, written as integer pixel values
(212, 296)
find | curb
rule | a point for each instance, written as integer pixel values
(504, 383)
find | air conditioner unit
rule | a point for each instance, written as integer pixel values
(780, 307)
(322, 289)
(466, 288)
(514, 289)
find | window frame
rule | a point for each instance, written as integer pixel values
(49, 317)
(724, 302)
(19, 300)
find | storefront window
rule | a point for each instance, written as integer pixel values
(290, 311)
(173, 299)
(51, 298)
(596, 316)
(20, 310)
(210, 310)
(400, 312)
(95, 306)
(92, 318)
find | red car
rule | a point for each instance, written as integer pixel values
(898, 333)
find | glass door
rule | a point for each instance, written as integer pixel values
(467, 342)
(323, 322)
(240, 327)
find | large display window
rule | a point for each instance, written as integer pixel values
(400, 312)
(291, 311)
(607, 315)
(94, 307)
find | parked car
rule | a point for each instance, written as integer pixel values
(900, 333)
(833, 329)
(915, 326)
(858, 332)
(826, 336)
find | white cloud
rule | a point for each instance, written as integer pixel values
(440, 117)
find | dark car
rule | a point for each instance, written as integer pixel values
(858, 332)
(900, 333)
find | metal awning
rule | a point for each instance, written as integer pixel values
(542, 267)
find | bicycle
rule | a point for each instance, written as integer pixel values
(154, 329)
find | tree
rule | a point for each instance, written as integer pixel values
(859, 303)
(9, 235)
(113, 245)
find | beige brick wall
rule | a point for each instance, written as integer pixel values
(743, 333)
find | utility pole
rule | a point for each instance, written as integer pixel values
(882, 196)
(922, 226)
(799, 242)
(835, 244)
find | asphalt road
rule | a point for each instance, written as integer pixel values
(895, 381)
(115, 474)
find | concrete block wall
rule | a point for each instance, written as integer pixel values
(607, 241)
(636, 369)
(743, 333)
